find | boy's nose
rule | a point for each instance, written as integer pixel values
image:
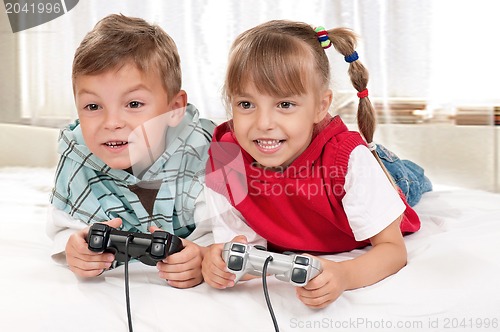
(113, 120)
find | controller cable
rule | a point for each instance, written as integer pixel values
(266, 293)
(127, 291)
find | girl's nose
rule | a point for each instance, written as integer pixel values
(265, 119)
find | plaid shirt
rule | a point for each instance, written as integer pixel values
(89, 190)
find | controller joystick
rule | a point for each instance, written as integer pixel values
(290, 267)
(147, 248)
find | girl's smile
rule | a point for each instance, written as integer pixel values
(269, 145)
(275, 130)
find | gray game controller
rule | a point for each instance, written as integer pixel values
(296, 269)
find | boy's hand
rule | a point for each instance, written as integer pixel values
(214, 268)
(81, 260)
(182, 269)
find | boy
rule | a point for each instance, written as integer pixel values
(135, 158)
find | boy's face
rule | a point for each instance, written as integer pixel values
(123, 115)
(276, 130)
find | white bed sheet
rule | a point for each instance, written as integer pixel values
(451, 282)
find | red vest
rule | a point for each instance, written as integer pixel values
(298, 209)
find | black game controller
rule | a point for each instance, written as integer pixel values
(147, 248)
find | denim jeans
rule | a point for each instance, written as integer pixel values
(409, 177)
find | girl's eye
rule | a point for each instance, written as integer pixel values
(245, 104)
(135, 104)
(285, 104)
(92, 107)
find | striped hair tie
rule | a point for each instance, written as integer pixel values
(322, 36)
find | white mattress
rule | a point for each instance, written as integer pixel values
(451, 282)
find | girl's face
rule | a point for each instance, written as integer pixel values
(276, 130)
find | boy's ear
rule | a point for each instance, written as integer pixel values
(178, 108)
(324, 105)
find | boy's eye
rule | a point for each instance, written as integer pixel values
(135, 104)
(92, 107)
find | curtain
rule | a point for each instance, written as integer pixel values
(413, 49)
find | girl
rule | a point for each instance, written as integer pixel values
(305, 183)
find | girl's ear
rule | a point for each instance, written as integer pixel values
(324, 105)
(178, 108)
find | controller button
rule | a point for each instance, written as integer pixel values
(235, 263)
(302, 260)
(260, 247)
(99, 227)
(238, 248)
(161, 235)
(96, 241)
(299, 276)
(158, 250)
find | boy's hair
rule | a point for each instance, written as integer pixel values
(276, 56)
(118, 39)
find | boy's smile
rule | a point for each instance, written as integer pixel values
(115, 109)
(116, 146)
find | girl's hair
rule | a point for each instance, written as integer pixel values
(276, 57)
(117, 40)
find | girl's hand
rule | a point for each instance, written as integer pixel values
(325, 288)
(82, 261)
(386, 256)
(214, 268)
